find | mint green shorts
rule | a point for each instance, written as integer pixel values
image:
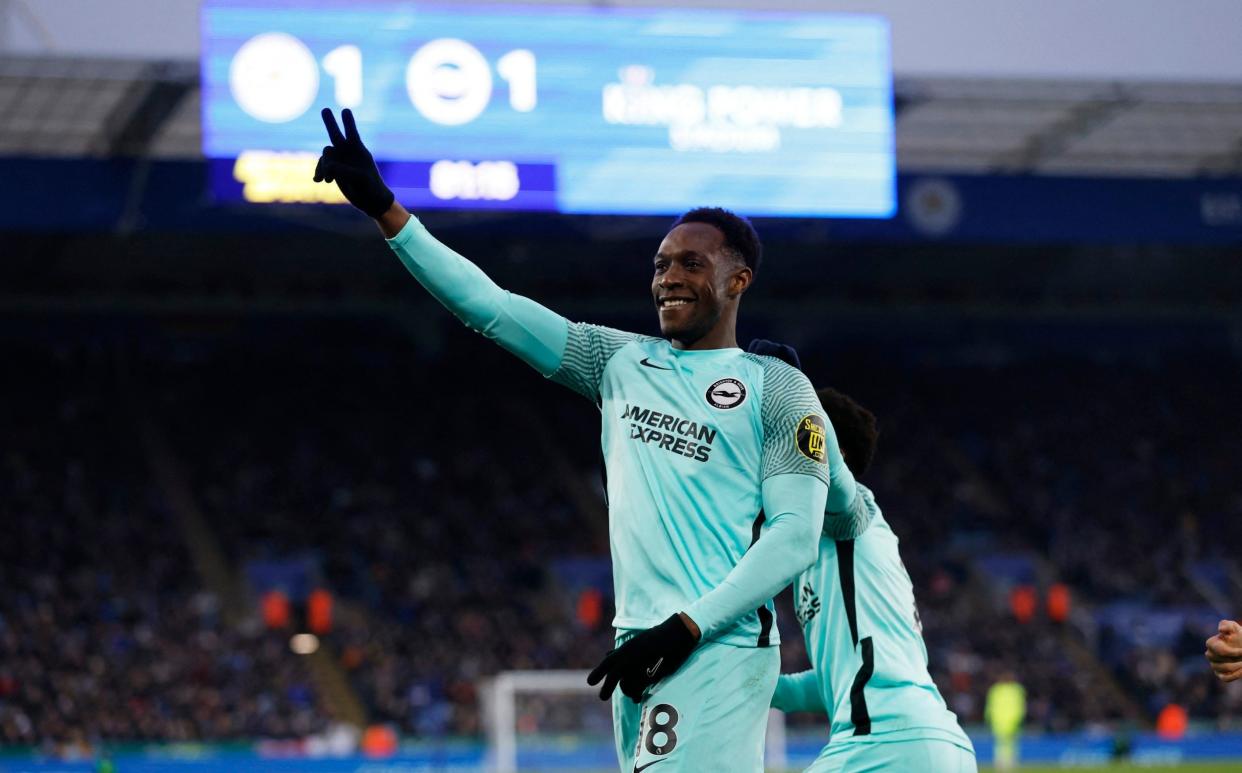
(914, 756)
(711, 715)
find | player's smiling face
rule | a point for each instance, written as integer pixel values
(696, 280)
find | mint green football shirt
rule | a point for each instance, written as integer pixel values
(695, 443)
(688, 439)
(864, 639)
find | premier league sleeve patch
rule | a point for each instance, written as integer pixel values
(812, 438)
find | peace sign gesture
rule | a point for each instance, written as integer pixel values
(349, 164)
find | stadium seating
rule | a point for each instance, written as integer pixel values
(106, 634)
(450, 523)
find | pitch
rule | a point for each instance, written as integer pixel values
(1190, 767)
(1196, 767)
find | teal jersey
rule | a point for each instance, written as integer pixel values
(688, 439)
(863, 635)
(703, 449)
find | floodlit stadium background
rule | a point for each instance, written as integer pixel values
(265, 505)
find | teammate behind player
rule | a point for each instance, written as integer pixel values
(703, 443)
(863, 635)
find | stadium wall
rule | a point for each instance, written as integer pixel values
(126, 194)
(1123, 39)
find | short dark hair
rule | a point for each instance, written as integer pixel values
(855, 426)
(740, 236)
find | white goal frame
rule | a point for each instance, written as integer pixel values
(500, 715)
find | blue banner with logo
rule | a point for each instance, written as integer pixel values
(124, 194)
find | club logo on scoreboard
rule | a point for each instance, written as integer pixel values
(812, 438)
(726, 393)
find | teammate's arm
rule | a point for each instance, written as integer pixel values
(848, 513)
(799, 692)
(856, 517)
(534, 333)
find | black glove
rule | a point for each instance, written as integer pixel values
(349, 164)
(644, 660)
(773, 349)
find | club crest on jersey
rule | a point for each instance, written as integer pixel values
(812, 438)
(726, 393)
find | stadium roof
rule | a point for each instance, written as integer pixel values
(99, 108)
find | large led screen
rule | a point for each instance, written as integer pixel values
(570, 109)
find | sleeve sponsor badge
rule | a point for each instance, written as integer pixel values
(813, 438)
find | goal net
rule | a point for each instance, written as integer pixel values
(554, 721)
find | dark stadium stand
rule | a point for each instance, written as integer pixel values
(266, 506)
(442, 518)
(426, 505)
(106, 634)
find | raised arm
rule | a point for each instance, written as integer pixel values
(534, 333)
(529, 330)
(393, 220)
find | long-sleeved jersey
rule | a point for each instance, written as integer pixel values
(702, 450)
(863, 635)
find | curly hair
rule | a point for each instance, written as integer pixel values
(740, 236)
(855, 426)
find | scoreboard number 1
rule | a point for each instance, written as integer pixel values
(344, 64)
(450, 82)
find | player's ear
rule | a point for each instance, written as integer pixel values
(739, 280)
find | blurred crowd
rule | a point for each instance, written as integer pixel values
(106, 634)
(451, 502)
(1108, 478)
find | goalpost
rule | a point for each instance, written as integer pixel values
(501, 716)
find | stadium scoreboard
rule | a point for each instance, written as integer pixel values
(561, 108)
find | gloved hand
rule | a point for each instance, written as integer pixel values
(349, 164)
(645, 659)
(773, 349)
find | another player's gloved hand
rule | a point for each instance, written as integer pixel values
(349, 164)
(644, 660)
(773, 349)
